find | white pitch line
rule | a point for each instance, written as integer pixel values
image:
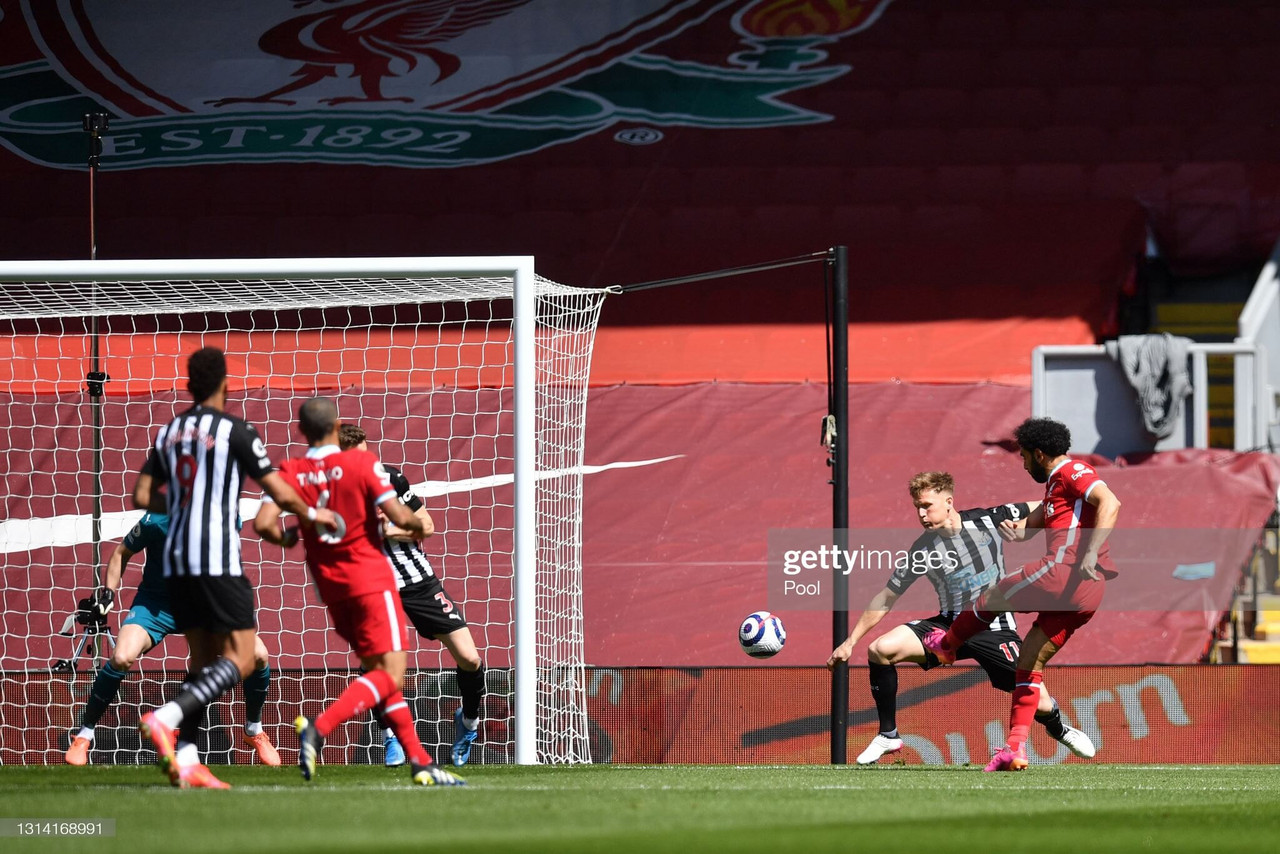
(24, 535)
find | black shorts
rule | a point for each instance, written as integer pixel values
(215, 603)
(430, 609)
(996, 652)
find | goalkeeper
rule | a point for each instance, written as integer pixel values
(149, 622)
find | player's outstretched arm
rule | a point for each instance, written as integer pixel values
(287, 499)
(397, 534)
(879, 605)
(405, 519)
(146, 496)
(267, 524)
(1012, 531)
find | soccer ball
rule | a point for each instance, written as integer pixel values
(762, 635)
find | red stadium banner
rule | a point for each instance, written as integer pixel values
(1179, 714)
(1184, 714)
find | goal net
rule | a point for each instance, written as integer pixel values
(470, 374)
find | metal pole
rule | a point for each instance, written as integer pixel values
(94, 125)
(840, 495)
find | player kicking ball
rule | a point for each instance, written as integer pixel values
(149, 622)
(961, 553)
(1064, 588)
(430, 610)
(355, 581)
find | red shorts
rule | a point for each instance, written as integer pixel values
(1064, 599)
(373, 624)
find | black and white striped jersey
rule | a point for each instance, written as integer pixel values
(202, 457)
(960, 568)
(408, 559)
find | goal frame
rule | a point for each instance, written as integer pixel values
(520, 268)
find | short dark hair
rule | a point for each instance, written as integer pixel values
(350, 435)
(938, 481)
(1043, 434)
(316, 418)
(206, 369)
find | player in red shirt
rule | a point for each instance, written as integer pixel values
(1065, 586)
(355, 580)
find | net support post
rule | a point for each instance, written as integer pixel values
(840, 495)
(525, 440)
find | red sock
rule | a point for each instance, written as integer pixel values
(396, 713)
(365, 691)
(966, 625)
(1026, 697)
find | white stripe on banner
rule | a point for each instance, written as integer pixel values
(24, 535)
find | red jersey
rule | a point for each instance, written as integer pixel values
(1066, 513)
(348, 561)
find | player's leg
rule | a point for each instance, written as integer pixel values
(470, 671)
(375, 626)
(256, 686)
(900, 644)
(944, 644)
(217, 615)
(435, 615)
(132, 642)
(998, 652)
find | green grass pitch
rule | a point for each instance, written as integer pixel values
(649, 809)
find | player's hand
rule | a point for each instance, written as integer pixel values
(1010, 532)
(1088, 567)
(101, 601)
(325, 517)
(840, 655)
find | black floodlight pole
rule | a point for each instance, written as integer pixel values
(836, 435)
(95, 124)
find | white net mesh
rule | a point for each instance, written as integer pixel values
(423, 363)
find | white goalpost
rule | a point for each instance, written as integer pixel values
(470, 374)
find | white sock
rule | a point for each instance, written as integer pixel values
(470, 723)
(388, 733)
(187, 754)
(170, 714)
(252, 728)
(86, 732)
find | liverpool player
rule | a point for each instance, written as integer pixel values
(431, 611)
(355, 581)
(1065, 586)
(962, 554)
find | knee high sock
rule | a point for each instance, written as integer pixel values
(255, 693)
(395, 711)
(884, 690)
(365, 692)
(208, 685)
(1026, 696)
(105, 687)
(966, 625)
(471, 686)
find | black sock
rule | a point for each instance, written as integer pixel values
(471, 686)
(1052, 721)
(884, 689)
(208, 685)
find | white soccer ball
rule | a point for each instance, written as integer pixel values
(762, 635)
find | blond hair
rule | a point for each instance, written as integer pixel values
(936, 481)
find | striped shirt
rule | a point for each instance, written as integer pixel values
(962, 567)
(202, 456)
(408, 559)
